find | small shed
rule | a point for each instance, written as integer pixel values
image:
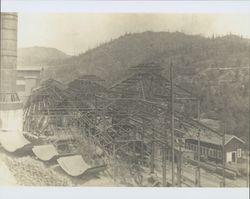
(233, 148)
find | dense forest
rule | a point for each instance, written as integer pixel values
(223, 93)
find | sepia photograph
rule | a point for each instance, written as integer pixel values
(124, 99)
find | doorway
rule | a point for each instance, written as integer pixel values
(233, 156)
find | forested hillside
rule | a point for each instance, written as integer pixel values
(192, 57)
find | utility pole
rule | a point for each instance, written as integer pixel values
(95, 112)
(199, 160)
(179, 165)
(142, 143)
(164, 166)
(223, 155)
(247, 159)
(114, 162)
(172, 121)
(164, 152)
(199, 149)
(198, 109)
(223, 143)
(152, 153)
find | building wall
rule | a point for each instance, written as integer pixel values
(209, 151)
(26, 72)
(26, 81)
(11, 119)
(234, 146)
(213, 152)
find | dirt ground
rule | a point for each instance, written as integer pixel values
(7, 178)
(28, 171)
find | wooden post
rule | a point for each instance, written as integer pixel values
(248, 160)
(198, 175)
(152, 153)
(223, 137)
(95, 114)
(134, 145)
(223, 155)
(223, 140)
(247, 169)
(114, 163)
(172, 122)
(142, 143)
(179, 165)
(164, 152)
(164, 166)
(199, 160)
(198, 110)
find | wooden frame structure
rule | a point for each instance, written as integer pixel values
(128, 121)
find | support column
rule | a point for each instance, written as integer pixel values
(223, 155)
(152, 153)
(114, 163)
(179, 169)
(199, 161)
(172, 123)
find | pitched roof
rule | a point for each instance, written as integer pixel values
(229, 137)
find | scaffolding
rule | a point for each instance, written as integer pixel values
(139, 124)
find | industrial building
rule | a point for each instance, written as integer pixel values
(137, 131)
(27, 79)
(211, 148)
(130, 123)
(11, 112)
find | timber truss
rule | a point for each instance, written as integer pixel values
(130, 121)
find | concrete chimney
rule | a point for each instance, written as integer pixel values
(11, 110)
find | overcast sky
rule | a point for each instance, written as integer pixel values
(74, 33)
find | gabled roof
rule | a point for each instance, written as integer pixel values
(228, 138)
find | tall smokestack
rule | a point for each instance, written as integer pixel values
(11, 113)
